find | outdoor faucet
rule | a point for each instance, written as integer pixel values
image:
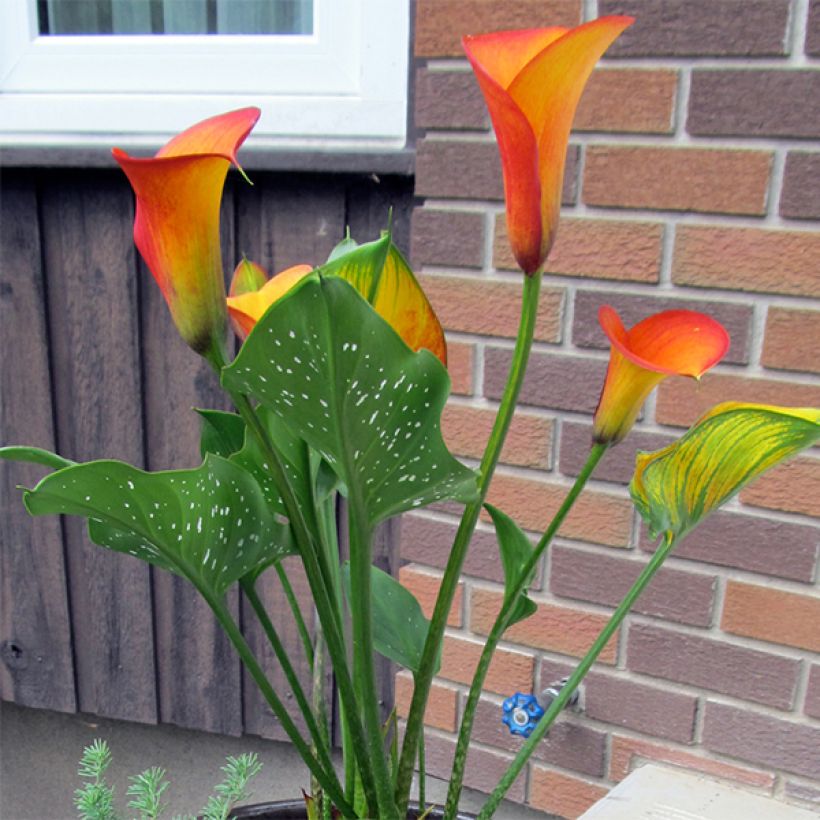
(522, 712)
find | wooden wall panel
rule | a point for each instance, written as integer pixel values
(198, 672)
(36, 664)
(91, 275)
(104, 373)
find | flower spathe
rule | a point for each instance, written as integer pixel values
(674, 342)
(176, 227)
(252, 293)
(532, 81)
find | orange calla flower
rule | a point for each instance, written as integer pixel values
(675, 342)
(532, 81)
(252, 293)
(177, 222)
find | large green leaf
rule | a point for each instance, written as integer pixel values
(341, 378)
(399, 626)
(677, 487)
(210, 524)
(515, 549)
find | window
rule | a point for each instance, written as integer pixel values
(328, 74)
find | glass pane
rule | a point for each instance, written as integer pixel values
(175, 16)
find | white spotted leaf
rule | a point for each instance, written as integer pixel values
(342, 379)
(211, 524)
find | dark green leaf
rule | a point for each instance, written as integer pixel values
(339, 376)
(211, 524)
(515, 549)
(222, 433)
(399, 627)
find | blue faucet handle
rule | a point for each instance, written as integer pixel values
(521, 713)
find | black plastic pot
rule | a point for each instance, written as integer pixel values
(295, 810)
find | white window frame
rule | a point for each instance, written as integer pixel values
(344, 87)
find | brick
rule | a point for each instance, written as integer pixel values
(793, 486)
(799, 198)
(708, 180)
(586, 332)
(618, 464)
(440, 24)
(449, 99)
(789, 334)
(563, 629)
(425, 586)
(509, 671)
(812, 704)
(647, 709)
(672, 594)
(627, 751)
(763, 740)
(749, 259)
(453, 238)
(460, 362)
(461, 304)
(753, 543)
(626, 251)
(628, 100)
(441, 704)
(529, 439)
(718, 666)
(803, 792)
(597, 517)
(562, 794)
(429, 541)
(813, 29)
(568, 744)
(682, 401)
(754, 103)
(484, 768)
(471, 169)
(786, 618)
(700, 28)
(555, 381)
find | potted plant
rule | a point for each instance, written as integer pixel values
(338, 387)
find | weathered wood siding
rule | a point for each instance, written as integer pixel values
(93, 367)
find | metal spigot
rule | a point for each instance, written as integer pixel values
(521, 712)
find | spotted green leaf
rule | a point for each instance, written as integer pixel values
(399, 626)
(341, 378)
(677, 487)
(211, 524)
(515, 549)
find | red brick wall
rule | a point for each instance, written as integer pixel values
(693, 181)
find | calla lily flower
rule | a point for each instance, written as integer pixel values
(252, 293)
(672, 343)
(177, 222)
(532, 81)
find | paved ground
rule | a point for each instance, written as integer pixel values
(39, 752)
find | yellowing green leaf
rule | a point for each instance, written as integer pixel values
(677, 487)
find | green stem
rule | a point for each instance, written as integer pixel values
(449, 582)
(364, 671)
(575, 679)
(290, 673)
(301, 626)
(328, 613)
(326, 778)
(511, 597)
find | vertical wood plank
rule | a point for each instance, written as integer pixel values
(36, 665)
(198, 671)
(369, 200)
(90, 270)
(284, 220)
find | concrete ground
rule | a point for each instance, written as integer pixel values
(39, 751)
